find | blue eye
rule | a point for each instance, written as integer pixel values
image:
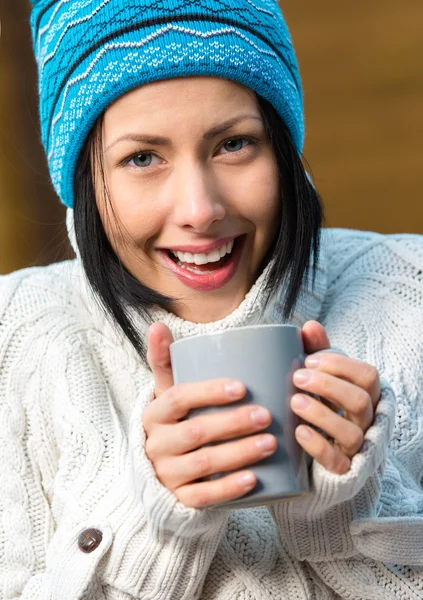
(141, 160)
(235, 145)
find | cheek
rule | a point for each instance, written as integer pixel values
(136, 210)
(258, 193)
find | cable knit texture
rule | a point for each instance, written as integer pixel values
(72, 392)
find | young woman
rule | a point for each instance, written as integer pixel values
(174, 133)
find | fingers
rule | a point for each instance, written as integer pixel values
(348, 435)
(179, 451)
(158, 356)
(355, 401)
(176, 402)
(219, 491)
(177, 471)
(356, 372)
(314, 337)
(191, 434)
(330, 456)
(352, 385)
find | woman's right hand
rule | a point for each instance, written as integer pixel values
(176, 446)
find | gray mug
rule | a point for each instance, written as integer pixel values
(264, 358)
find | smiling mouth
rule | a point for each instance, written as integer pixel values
(215, 271)
(202, 264)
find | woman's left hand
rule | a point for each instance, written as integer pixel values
(345, 383)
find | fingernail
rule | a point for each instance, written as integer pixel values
(266, 442)
(234, 388)
(302, 376)
(300, 402)
(247, 479)
(260, 416)
(313, 361)
(304, 433)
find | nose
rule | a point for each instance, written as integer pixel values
(196, 199)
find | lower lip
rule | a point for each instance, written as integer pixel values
(206, 282)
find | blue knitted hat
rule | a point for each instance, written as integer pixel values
(90, 52)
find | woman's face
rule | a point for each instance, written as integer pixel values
(193, 181)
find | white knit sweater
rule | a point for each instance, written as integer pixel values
(72, 392)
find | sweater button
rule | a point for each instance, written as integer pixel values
(89, 540)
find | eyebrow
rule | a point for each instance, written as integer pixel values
(156, 140)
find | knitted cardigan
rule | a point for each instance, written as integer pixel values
(72, 392)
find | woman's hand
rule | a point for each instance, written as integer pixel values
(177, 446)
(347, 384)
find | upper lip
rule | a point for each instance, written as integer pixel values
(202, 248)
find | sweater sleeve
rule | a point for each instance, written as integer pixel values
(376, 508)
(161, 549)
(66, 466)
(318, 526)
(37, 560)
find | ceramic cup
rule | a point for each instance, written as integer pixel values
(264, 358)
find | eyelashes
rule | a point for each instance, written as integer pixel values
(146, 156)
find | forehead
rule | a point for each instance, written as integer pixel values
(164, 102)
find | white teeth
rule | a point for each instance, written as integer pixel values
(213, 256)
(184, 256)
(201, 258)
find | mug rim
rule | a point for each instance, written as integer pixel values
(233, 329)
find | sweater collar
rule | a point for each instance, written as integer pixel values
(250, 311)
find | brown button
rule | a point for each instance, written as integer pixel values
(89, 540)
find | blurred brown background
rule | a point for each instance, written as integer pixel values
(361, 65)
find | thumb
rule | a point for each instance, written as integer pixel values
(315, 337)
(158, 356)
